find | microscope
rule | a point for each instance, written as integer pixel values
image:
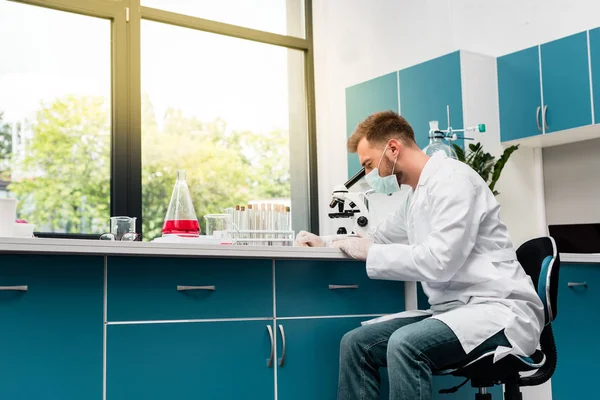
(351, 206)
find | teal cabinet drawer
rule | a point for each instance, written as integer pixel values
(426, 90)
(311, 288)
(147, 288)
(364, 99)
(208, 360)
(519, 94)
(576, 331)
(51, 335)
(566, 83)
(310, 343)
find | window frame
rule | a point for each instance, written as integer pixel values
(126, 99)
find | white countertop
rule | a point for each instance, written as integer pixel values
(101, 247)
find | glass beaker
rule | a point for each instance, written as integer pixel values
(119, 226)
(181, 217)
(220, 226)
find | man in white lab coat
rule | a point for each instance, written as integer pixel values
(447, 235)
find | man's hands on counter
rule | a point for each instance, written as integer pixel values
(355, 247)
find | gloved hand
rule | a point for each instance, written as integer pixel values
(357, 248)
(307, 239)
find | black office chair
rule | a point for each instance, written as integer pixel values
(541, 261)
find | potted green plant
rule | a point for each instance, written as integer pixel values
(484, 163)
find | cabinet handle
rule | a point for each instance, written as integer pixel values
(282, 359)
(335, 287)
(575, 284)
(537, 119)
(22, 288)
(544, 118)
(270, 360)
(184, 288)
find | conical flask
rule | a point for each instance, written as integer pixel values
(181, 218)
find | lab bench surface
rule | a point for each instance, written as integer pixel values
(113, 248)
(95, 320)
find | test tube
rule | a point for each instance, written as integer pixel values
(263, 215)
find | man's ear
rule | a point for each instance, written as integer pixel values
(395, 146)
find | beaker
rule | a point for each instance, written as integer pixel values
(119, 226)
(181, 217)
(220, 226)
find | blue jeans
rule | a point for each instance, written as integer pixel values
(410, 348)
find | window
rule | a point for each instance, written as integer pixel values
(219, 108)
(285, 17)
(101, 101)
(55, 124)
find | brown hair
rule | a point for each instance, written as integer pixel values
(381, 127)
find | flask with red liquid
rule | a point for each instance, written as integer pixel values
(181, 217)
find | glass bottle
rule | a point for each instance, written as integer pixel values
(181, 217)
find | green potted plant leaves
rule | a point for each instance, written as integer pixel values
(484, 163)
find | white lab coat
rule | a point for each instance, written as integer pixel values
(448, 235)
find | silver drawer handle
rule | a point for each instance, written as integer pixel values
(184, 288)
(574, 284)
(270, 360)
(282, 359)
(335, 287)
(22, 288)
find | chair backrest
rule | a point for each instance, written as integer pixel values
(540, 260)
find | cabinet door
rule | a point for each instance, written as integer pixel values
(576, 331)
(154, 288)
(326, 288)
(311, 366)
(364, 99)
(208, 360)
(595, 62)
(51, 334)
(566, 83)
(425, 91)
(449, 381)
(519, 94)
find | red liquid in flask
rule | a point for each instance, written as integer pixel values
(181, 227)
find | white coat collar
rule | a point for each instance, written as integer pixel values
(432, 165)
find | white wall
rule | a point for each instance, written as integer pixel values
(357, 40)
(572, 183)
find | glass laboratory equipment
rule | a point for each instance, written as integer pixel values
(436, 142)
(220, 226)
(181, 217)
(438, 137)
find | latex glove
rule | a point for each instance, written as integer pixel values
(307, 239)
(357, 248)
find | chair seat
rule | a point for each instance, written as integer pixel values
(484, 369)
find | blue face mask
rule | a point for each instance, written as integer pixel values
(387, 184)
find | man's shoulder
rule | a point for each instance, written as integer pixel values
(456, 173)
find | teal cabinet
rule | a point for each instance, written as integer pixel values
(51, 335)
(595, 62)
(150, 289)
(311, 366)
(364, 99)
(426, 90)
(332, 288)
(519, 94)
(566, 83)
(208, 360)
(576, 331)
